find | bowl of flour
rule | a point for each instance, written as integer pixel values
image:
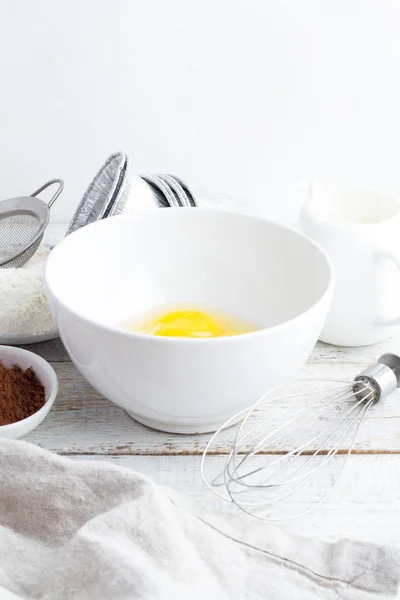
(25, 316)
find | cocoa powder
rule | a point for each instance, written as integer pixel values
(21, 394)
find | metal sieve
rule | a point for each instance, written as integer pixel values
(22, 224)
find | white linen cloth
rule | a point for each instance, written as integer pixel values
(93, 531)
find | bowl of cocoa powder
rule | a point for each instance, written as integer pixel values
(28, 388)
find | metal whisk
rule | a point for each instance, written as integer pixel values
(266, 480)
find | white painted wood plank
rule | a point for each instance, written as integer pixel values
(54, 351)
(84, 422)
(362, 355)
(365, 505)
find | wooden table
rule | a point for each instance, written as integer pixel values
(366, 503)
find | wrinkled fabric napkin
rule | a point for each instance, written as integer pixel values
(93, 531)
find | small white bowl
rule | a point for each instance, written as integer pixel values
(9, 356)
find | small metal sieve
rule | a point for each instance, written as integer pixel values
(22, 224)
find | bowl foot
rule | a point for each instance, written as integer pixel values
(188, 429)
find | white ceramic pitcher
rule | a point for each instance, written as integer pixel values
(360, 230)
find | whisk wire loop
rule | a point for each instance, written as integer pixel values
(299, 450)
(243, 505)
(295, 453)
(255, 464)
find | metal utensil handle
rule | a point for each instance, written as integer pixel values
(56, 194)
(384, 376)
(393, 362)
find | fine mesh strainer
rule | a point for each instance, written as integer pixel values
(22, 225)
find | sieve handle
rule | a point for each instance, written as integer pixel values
(56, 194)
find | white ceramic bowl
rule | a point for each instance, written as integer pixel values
(9, 356)
(119, 267)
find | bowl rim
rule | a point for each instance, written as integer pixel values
(190, 341)
(53, 390)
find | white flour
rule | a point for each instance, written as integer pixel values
(23, 306)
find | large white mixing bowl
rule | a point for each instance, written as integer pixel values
(114, 269)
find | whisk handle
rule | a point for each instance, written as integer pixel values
(393, 362)
(383, 377)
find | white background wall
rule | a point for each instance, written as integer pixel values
(249, 98)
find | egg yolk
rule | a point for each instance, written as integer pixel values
(188, 324)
